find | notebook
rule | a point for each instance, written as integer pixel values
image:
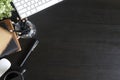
(5, 38)
(13, 45)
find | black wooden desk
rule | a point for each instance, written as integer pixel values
(79, 40)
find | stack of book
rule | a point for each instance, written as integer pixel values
(8, 40)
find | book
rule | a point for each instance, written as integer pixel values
(14, 45)
(5, 38)
(10, 27)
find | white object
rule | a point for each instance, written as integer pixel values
(4, 66)
(26, 8)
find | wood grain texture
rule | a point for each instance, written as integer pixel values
(79, 40)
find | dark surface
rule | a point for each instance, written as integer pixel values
(79, 40)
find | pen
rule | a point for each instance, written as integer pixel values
(32, 48)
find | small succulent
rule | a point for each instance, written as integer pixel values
(5, 9)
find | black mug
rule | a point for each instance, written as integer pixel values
(14, 75)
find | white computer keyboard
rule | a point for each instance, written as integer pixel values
(26, 8)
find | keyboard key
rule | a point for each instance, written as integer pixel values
(33, 10)
(17, 4)
(26, 0)
(47, 0)
(32, 2)
(22, 2)
(28, 3)
(23, 15)
(39, 2)
(32, 6)
(23, 10)
(25, 5)
(36, 4)
(20, 7)
(28, 13)
(28, 8)
(36, 1)
(43, 1)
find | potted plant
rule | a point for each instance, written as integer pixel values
(5, 9)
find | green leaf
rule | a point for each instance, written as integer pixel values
(5, 9)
